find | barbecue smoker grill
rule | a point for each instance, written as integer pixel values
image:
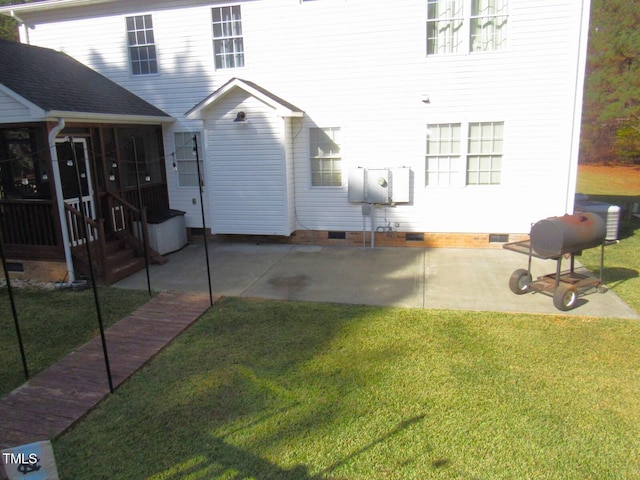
(553, 238)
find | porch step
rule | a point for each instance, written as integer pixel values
(124, 268)
(121, 261)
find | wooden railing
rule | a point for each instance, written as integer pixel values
(30, 229)
(152, 195)
(93, 231)
(127, 222)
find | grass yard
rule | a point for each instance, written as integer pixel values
(284, 390)
(607, 180)
(53, 323)
(620, 186)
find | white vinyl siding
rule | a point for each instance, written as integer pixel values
(228, 43)
(326, 162)
(185, 159)
(142, 49)
(530, 85)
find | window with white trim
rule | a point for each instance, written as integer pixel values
(481, 150)
(484, 157)
(443, 154)
(463, 26)
(228, 43)
(326, 162)
(185, 159)
(141, 45)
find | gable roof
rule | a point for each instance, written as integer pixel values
(52, 84)
(282, 107)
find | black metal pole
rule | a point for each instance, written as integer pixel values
(13, 308)
(89, 259)
(142, 232)
(204, 229)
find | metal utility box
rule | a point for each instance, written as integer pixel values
(608, 212)
(378, 189)
(381, 186)
(400, 183)
(356, 185)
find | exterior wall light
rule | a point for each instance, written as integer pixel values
(241, 117)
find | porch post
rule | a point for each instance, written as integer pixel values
(60, 199)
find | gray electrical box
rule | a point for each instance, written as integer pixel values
(356, 185)
(377, 186)
(400, 182)
(381, 186)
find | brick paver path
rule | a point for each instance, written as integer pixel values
(53, 400)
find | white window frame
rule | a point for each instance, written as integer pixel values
(185, 159)
(325, 158)
(228, 42)
(458, 23)
(484, 153)
(471, 157)
(142, 43)
(443, 159)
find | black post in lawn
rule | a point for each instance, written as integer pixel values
(90, 261)
(13, 307)
(204, 227)
(142, 220)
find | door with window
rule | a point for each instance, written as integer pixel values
(79, 195)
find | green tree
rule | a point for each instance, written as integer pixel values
(612, 87)
(8, 26)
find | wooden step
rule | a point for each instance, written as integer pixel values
(123, 269)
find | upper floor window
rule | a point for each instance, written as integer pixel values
(142, 47)
(461, 26)
(228, 46)
(326, 161)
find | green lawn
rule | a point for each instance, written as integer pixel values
(53, 323)
(286, 390)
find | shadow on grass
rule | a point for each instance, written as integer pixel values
(230, 387)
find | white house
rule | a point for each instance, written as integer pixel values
(457, 120)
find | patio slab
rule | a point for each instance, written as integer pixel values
(465, 279)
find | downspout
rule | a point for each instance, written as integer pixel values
(24, 24)
(60, 199)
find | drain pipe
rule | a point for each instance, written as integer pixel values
(55, 169)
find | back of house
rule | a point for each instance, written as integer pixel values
(426, 122)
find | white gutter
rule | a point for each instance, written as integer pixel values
(60, 198)
(54, 115)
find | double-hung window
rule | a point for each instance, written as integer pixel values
(228, 44)
(454, 159)
(142, 46)
(185, 159)
(326, 162)
(443, 154)
(463, 26)
(484, 153)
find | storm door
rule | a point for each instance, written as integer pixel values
(76, 195)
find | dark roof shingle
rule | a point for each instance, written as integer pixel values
(56, 82)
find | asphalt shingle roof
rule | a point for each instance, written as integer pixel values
(55, 81)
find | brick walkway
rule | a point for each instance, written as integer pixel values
(52, 401)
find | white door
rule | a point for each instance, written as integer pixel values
(77, 196)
